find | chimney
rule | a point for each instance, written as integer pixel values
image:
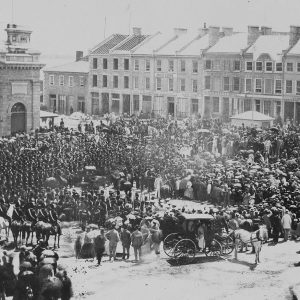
(137, 30)
(180, 31)
(79, 55)
(266, 30)
(213, 35)
(227, 31)
(253, 34)
(294, 35)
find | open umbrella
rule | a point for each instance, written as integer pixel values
(275, 129)
(116, 174)
(90, 168)
(203, 130)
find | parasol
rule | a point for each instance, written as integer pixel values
(90, 168)
(274, 129)
(51, 182)
(203, 130)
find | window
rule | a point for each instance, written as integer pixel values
(259, 66)
(147, 65)
(95, 63)
(81, 104)
(158, 84)
(268, 86)
(278, 86)
(147, 83)
(136, 65)
(95, 103)
(116, 64)
(278, 67)
(195, 106)
(104, 63)
(289, 86)
(136, 82)
(278, 108)
(248, 85)
(226, 86)
(182, 65)
(269, 66)
(71, 81)
(115, 81)
(257, 105)
(195, 67)
(81, 80)
(267, 107)
(126, 82)
(126, 64)
(236, 84)
(258, 85)
(51, 79)
(248, 65)
(207, 82)
(95, 79)
(171, 65)
(298, 88)
(182, 85)
(61, 80)
(216, 105)
(158, 65)
(104, 81)
(136, 102)
(247, 104)
(171, 84)
(62, 103)
(298, 67)
(236, 65)
(195, 86)
(217, 65)
(289, 67)
(208, 65)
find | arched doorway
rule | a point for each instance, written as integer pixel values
(18, 118)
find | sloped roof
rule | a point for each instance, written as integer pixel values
(252, 115)
(177, 44)
(295, 50)
(154, 43)
(196, 46)
(80, 66)
(111, 43)
(230, 44)
(131, 43)
(273, 45)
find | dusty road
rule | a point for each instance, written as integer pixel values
(156, 279)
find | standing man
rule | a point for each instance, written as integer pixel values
(99, 245)
(137, 242)
(286, 222)
(126, 240)
(114, 238)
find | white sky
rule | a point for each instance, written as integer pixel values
(64, 26)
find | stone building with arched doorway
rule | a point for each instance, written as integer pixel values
(19, 83)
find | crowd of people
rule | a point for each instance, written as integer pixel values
(247, 173)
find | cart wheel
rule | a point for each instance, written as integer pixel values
(227, 245)
(213, 249)
(169, 243)
(185, 251)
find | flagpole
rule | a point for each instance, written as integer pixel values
(12, 11)
(129, 21)
(104, 26)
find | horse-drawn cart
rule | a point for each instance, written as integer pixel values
(195, 235)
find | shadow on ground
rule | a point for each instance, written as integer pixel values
(197, 260)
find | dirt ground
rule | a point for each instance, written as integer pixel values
(155, 278)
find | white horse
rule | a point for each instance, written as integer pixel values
(256, 239)
(4, 225)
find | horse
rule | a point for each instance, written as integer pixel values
(256, 239)
(44, 230)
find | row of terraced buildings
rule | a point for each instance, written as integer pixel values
(213, 73)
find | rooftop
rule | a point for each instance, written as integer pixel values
(177, 43)
(80, 66)
(230, 44)
(112, 42)
(196, 46)
(252, 115)
(131, 42)
(273, 45)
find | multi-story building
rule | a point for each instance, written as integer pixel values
(66, 86)
(19, 82)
